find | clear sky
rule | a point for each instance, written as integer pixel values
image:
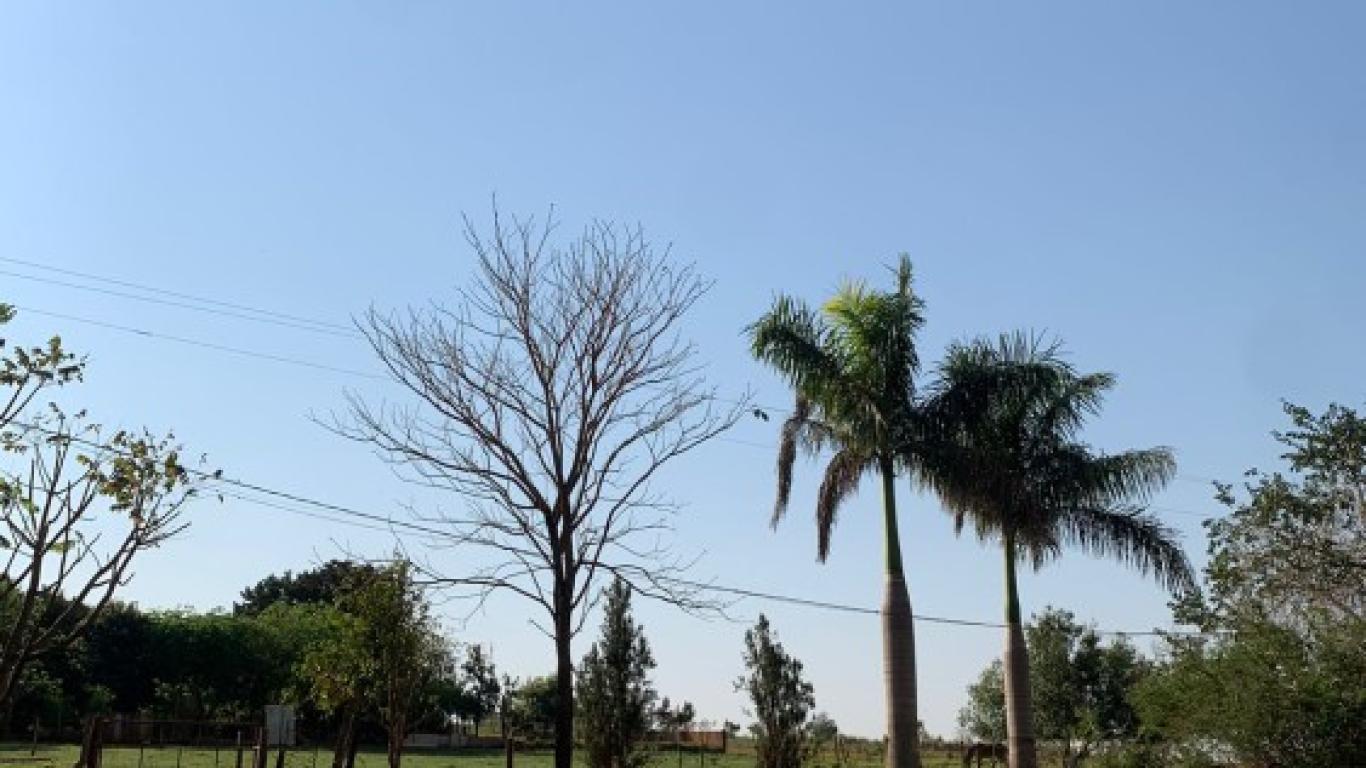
(1178, 190)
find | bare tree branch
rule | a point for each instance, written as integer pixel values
(548, 397)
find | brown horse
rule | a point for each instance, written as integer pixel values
(997, 752)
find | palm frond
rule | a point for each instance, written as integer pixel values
(792, 339)
(1074, 398)
(799, 431)
(841, 479)
(1070, 474)
(1136, 539)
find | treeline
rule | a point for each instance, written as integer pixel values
(351, 645)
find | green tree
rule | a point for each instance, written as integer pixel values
(1276, 676)
(324, 584)
(535, 705)
(213, 665)
(480, 688)
(407, 651)
(613, 687)
(852, 365)
(983, 717)
(340, 670)
(1007, 414)
(781, 698)
(1081, 688)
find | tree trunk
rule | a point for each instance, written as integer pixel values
(398, 732)
(1019, 704)
(345, 736)
(564, 679)
(898, 643)
(8, 682)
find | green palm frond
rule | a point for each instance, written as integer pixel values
(1063, 411)
(1127, 535)
(793, 340)
(1129, 476)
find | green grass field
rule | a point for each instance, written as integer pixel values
(64, 756)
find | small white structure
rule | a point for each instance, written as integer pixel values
(280, 725)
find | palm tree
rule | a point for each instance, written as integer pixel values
(852, 365)
(1007, 414)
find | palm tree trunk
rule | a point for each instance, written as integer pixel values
(898, 643)
(1021, 751)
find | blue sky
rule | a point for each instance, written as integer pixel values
(1177, 190)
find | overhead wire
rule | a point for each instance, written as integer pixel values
(388, 524)
(322, 324)
(381, 522)
(201, 343)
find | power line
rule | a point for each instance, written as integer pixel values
(176, 294)
(201, 343)
(390, 523)
(185, 305)
(352, 372)
(339, 330)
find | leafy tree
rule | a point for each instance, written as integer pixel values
(1081, 688)
(983, 717)
(1276, 679)
(119, 656)
(781, 697)
(823, 731)
(213, 665)
(481, 691)
(535, 705)
(1008, 413)
(322, 585)
(75, 513)
(406, 649)
(613, 687)
(340, 670)
(852, 365)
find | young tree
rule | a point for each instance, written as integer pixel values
(781, 697)
(75, 512)
(341, 670)
(547, 399)
(1008, 413)
(613, 685)
(983, 717)
(406, 648)
(480, 685)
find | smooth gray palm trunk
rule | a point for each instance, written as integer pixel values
(1019, 704)
(898, 644)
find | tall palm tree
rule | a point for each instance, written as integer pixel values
(852, 365)
(1008, 413)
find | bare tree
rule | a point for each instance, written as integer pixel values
(548, 397)
(76, 509)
